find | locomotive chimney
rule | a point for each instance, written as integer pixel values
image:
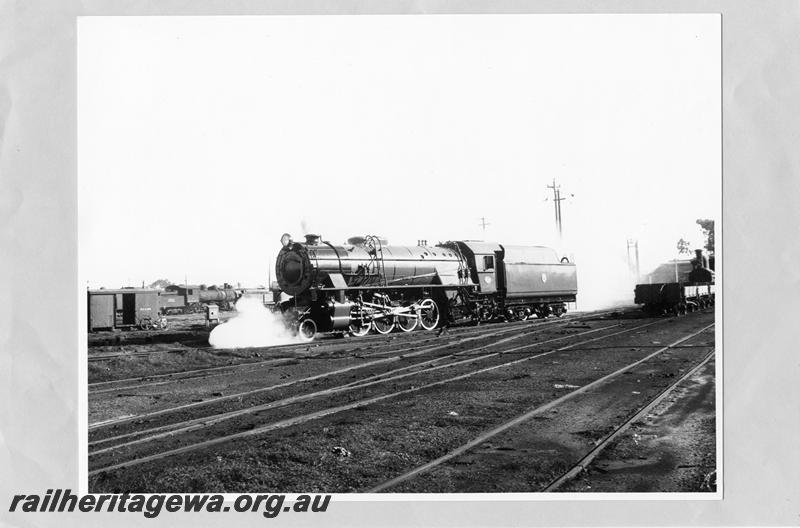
(702, 260)
(312, 240)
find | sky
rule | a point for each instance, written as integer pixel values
(203, 139)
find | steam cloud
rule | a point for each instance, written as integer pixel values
(253, 326)
(606, 284)
(604, 280)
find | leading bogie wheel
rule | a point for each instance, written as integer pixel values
(428, 314)
(307, 330)
(359, 327)
(383, 325)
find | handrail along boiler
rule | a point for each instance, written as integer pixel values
(368, 285)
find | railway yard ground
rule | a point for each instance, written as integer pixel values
(609, 401)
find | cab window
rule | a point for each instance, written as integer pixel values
(488, 262)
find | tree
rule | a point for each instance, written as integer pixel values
(160, 284)
(683, 247)
(708, 231)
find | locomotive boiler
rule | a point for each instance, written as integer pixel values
(369, 285)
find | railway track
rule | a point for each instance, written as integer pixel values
(371, 339)
(438, 364)
(142, 382)
(404, 353)
(584, 462)
(385, 377)
(527, 416)
(108, 357)
(400, 350)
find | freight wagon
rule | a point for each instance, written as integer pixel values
(122, 308)
(678, 287)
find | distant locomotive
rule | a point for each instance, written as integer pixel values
(678, 287)
(178, 299)
(367, 285)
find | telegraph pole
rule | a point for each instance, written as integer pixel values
(484, 223)
(633, 265)
(558, 208)
(557, 204)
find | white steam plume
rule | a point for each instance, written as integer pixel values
(603, 283)
(253, 326)
(604, 280)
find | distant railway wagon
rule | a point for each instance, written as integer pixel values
(122, 308)
(677, 287)
(675, 297)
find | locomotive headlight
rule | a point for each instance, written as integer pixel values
(286, 240)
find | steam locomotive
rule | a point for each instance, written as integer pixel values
(184, 298)
(368, 285)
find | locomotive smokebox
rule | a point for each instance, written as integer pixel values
(293, 269)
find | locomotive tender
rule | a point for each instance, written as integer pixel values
(367, 285)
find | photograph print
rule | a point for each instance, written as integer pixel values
(401, 254)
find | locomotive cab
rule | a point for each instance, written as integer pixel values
(487, 273)
(484, 261)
